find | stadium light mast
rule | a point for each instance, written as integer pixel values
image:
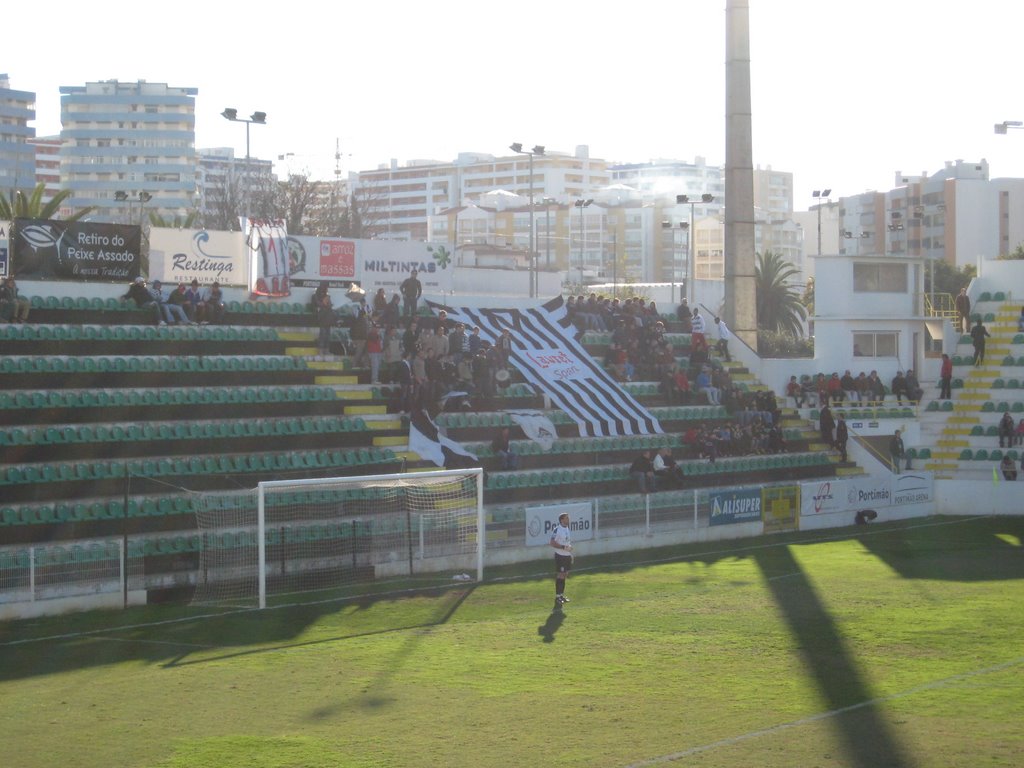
(531, 153)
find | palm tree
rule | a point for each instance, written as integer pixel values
(20, 205)
(778, 304)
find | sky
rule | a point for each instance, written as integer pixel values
(844, 94)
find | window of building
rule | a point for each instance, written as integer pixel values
(876, 344)
(879, 278)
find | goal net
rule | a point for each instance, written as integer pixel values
(286, 537)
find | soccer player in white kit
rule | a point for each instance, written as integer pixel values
(562, 544)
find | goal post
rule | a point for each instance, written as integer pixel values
(287, 537)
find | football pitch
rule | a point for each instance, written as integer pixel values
(884, 645)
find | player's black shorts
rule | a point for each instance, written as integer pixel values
(562, 563)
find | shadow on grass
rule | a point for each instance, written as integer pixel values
(870, 743)
(198, 639)
(549, 628)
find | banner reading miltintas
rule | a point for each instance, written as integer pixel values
(76, 250)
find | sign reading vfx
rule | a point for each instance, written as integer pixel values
(179, 256)
(730, 507)
(854, 494)
(546, 352)
(75, 250)
(541, 522)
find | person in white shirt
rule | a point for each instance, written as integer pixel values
(561, 541)
(666, 469)
(724, 334)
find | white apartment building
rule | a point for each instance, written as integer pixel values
(400, 199)
(957, 215)
(17, 159)
(128, 145)
(224, 184)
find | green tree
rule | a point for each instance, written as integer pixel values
(949, 279)
(178, 222)
(21, 205)
(778, 304)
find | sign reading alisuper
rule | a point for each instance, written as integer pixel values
(735, 507)
(76, 250)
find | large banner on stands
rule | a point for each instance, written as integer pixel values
(5, 248)
(545, 350)
(266, 242)
(373, 264)
(181, 255)
(75, 250)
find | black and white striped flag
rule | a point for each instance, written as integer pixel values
(426, 439)
(545, 350)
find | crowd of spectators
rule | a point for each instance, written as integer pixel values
(184, 305)
(864, 389)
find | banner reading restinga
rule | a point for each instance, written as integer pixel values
(75, 250)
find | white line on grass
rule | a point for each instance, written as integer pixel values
(521, 577)
(825, 715)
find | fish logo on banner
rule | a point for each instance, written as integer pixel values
(546, 351)
(536, 426)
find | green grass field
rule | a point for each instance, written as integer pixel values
(890, 645)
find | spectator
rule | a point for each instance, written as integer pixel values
(963, 310)
(826, 424)
(809, 390)
(392, 314)
(683, 316)
(897, 452)
(502, 448)
(325, 317)
(474, 340)
(849, 385)
(194, 297)
(403, 376)
(946, 378)
(1007, 430)
(842, 436)
(380, 304)
(375, 351)
(665, 468)
(723, 339)
(172, 313)
(213, 304)
(712, 393)
(676, 386)
(834, 386)
(794, 390)
(17, 306)
(697, 338)
(914, 390)
(1009, 469)
(358, 333)
(411, 291)
(642, 471)
(503, 348)
(978, 335)
(179, 298)
(143, 299)
(899, 387)
(1018, 433)
(410, 339)
(1020, 321)
(876, 389)
(392, 353)
(457, 343)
